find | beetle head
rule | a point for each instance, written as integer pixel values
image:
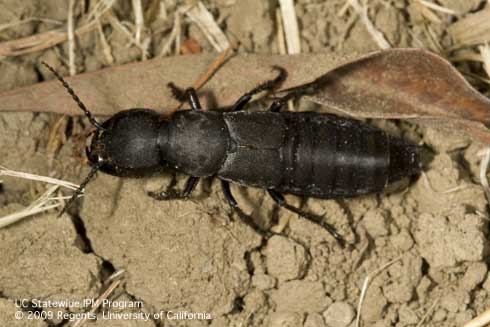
(128, 144)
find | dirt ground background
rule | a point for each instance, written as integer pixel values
(194, 255)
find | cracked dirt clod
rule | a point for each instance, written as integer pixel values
(171, 250)
(285, 258)
(339, 314)
(8, 310)
(28, 257)
(446, 240)
(300, 296)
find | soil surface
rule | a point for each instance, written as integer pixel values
(196, 256)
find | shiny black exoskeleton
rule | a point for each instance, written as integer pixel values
(303, 153)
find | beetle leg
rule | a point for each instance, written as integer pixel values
(170, 194)
(189, 95)
(291, 94)
(268, 85)
(279, 199)
(242, 215)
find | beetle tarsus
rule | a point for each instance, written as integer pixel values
(169, 194)
(279, 199)
(266, 86)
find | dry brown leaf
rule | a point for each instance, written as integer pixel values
(390, 84)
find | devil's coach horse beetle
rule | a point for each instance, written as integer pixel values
(302, 153)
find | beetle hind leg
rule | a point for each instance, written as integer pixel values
(279, 199)
(242, 215)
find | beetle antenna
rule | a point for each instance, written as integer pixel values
(80, 189)
(75, 97)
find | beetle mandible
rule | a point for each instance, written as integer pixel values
(303, 153)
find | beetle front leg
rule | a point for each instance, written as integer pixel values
(291, 94)
(242, 215)
(268, 85)
(189, 95)
(279, 199)
(170, 194)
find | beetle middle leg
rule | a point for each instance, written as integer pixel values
(268, 85)
(279, 199)
(242, 215)
(188, 94)
(170, 194)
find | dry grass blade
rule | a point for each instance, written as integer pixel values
(290, 24)
(51, 38)
(282, 46)
(483, 172)
(437, 7)
(139, 20)
(432, 307)
(427, 13)
(106, 48)
(12, 173)
(43, 203)
(472, 29)
(28, 20)
(481, 320)
(71, 39)
(377, 36)
(176, 28)
(99, 301)
(100, 8)
(206, 23)
(365, 286)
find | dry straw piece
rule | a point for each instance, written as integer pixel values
(471, 30)
(45, 202)
(365, 286)
(290, 25)
(362, 11)
(51, 38)
(206, 23)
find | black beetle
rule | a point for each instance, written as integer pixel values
(303, 153)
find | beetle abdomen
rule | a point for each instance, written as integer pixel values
(328, 157)
(314, 154)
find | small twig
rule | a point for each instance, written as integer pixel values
(215, 65)
(365, 285)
